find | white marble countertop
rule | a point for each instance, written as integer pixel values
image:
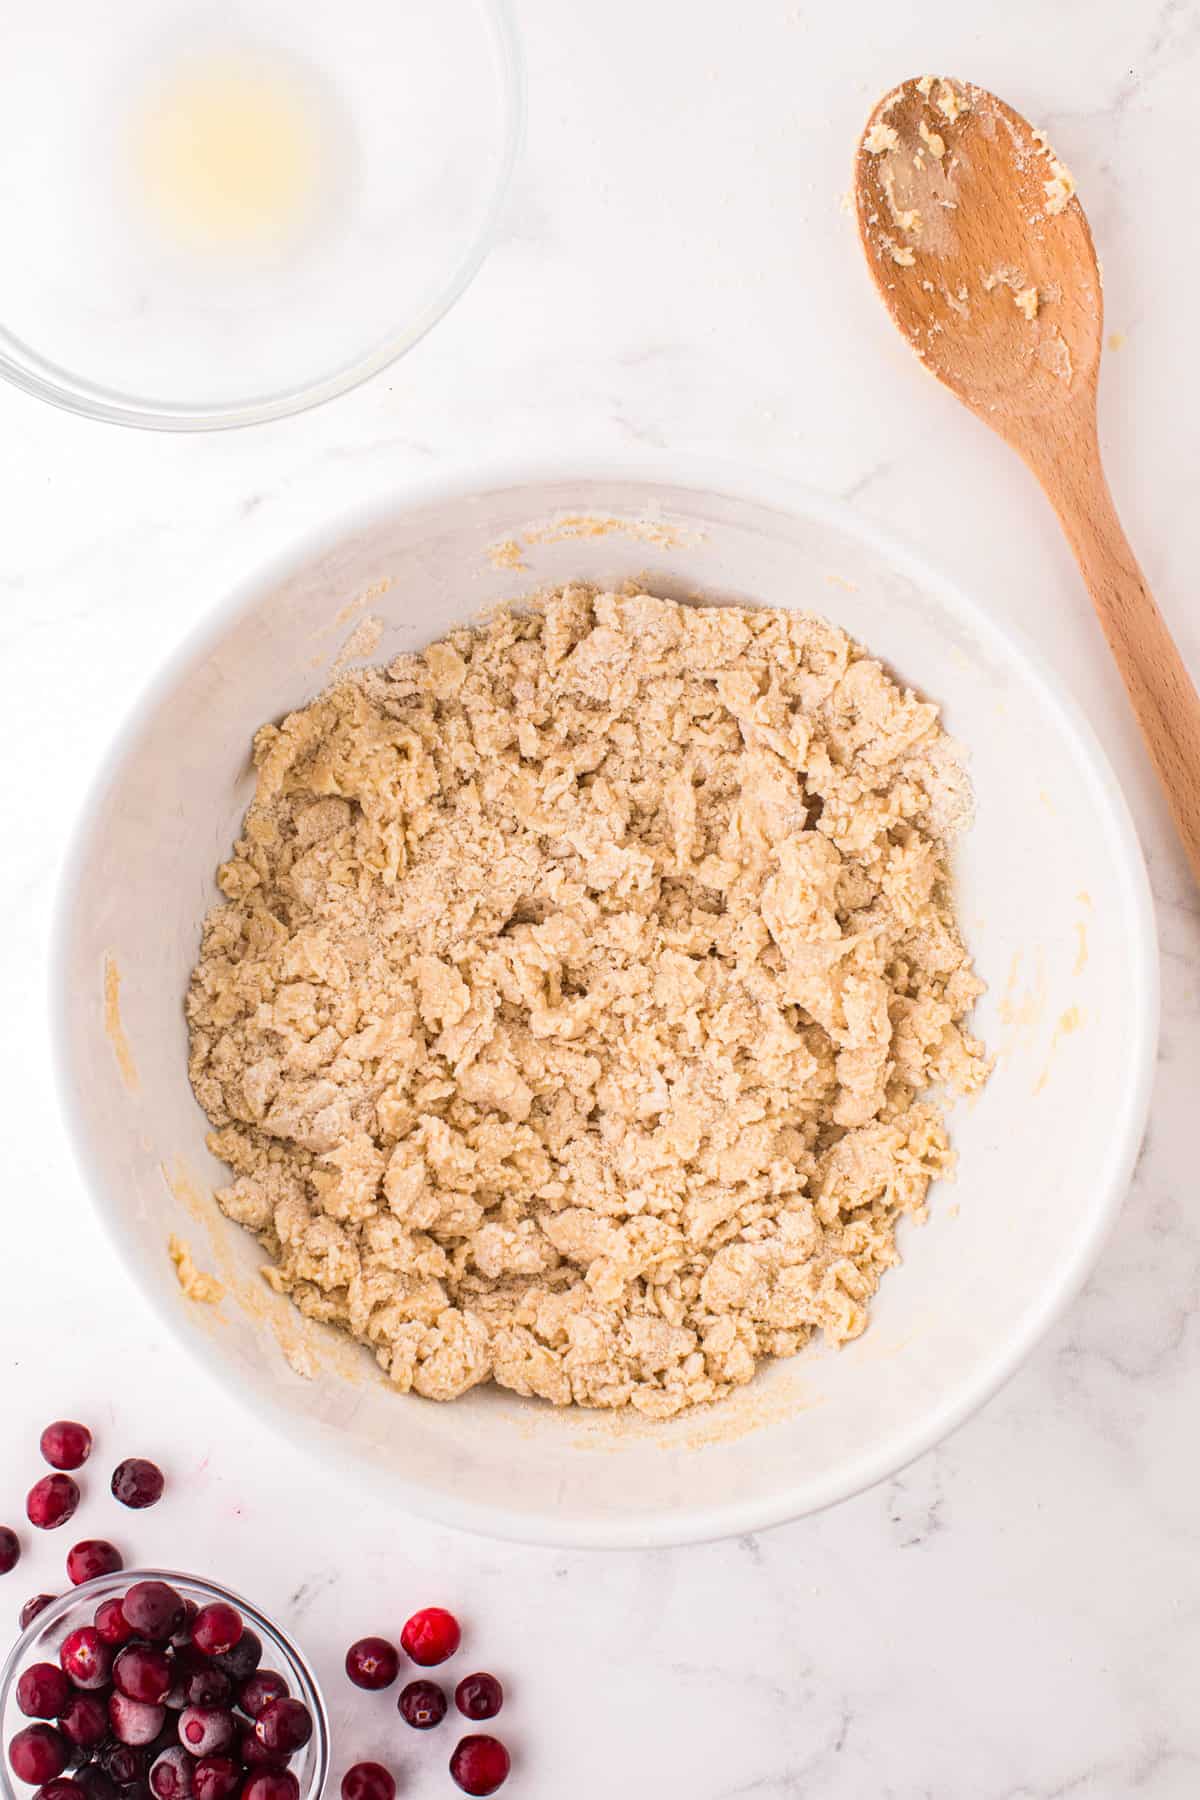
(1018, 1616)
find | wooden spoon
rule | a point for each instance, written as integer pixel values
(984, 259)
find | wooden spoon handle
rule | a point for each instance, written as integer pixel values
(1164, 698)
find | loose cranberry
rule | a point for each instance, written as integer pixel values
(153, 1609)
(137, 1483)
(84, 1721)
(206, 1686)
(111, 1623)
(479, 1696)
(93, 1782)
(431, 1636)
(66, 1445)
(32, 1608)
(216, 1628)
(51, 1501)
(171, 1775)
(283, 1726)
(263, 1687)
(92, 1557)
(372, 1663)
(182, 1639)
(255, 1755)
(480, 1764)
(368, 1781)
(205, 1730)
(86, 1657)
(10, 1549)
(124, 1763)
(272, 1784)
(240, 1662)
(422, 1704)
(135, 1722)
(143, 1673)
(42, 1691)
(38, 1754)
(216, 1778)
(61, 1788)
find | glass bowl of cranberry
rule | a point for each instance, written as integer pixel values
(150, 1685)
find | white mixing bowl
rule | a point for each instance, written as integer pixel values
(1053, 898)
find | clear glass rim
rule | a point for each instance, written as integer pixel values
(34, 374)
(90, 1592)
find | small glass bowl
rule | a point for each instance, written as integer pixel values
(42, 1639)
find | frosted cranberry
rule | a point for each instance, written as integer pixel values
(170, 1775)
(153, 1609)
(42, 1691)
(216, 1629)
(135, 1722)
(61, 1788)
(479, 1696)
(94, 1783)
(143, 1673)
(137, 1483)
(480, 1764)
(263, 1687)
(84, 1721)
(38, 1754)
(272, 1784)
(422, 1704)
(255, 1755)
(368, 1781)
(124, 1763)
(66, 1445)
(92, 1557)
(216, 1778)
(32, 1608)
(206, 1686)
(205, 1730)
(240, 1662)
(51, 1501)
(86, 1657)
(283, 1726)
(431, 1636)
(111, 1622)
(10, 1549)
(182, 1639)
(372, 1663)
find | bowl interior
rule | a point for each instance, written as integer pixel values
(1052, 897)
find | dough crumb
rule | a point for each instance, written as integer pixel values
(903, 255)
(950, 101)
(571, 1014)
(881, 138)
(1026, 301)
(206, 1290)
(933, 140)
(1059, 186)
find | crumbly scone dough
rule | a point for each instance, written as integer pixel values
(567, 1018)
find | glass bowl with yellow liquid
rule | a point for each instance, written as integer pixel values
(217, 215)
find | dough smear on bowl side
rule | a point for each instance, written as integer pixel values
(568, 1016)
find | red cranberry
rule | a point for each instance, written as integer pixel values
(135, 1722)
(61, 1788)
(143, 1673)
(66, 1445)
(137, 1483)
(372, 1663)
(368, 1781)
(240, 1662)
(94, 1783)
(84, 1721)
(255, 1755)
(431, 1636)
(205, 1730)
(10, 1549)
(479, 1696)
(272, 1784)
(216, 1628)
(263, 1687)
(51, 1501)
(86, 1658)
(32, 1608)
(38, 1754)
(153, 1609)
(182, 1639)
(42, 1691)
(124, 1763)
(92, 1557)
(216, 1778)
(206, 1686)
(480, 1764)
(283, 1726)
(422, 1704)
(111, 1622)
(171, 1775)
